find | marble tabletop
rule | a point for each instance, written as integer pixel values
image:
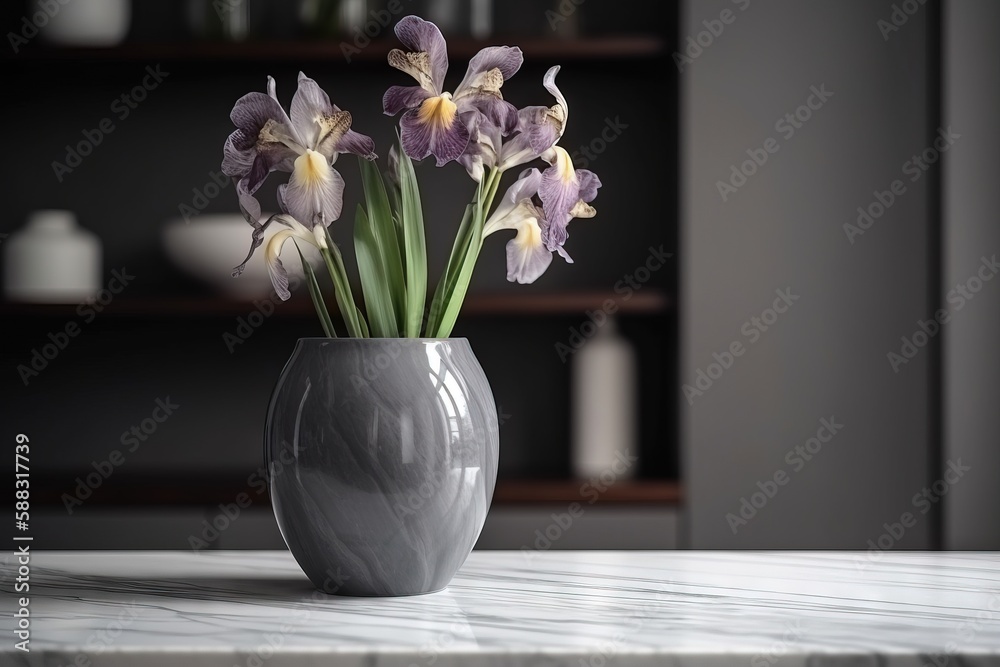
(597, 608)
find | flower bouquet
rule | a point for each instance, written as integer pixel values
(473, 125)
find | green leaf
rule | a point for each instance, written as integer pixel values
(317, 296)
(378, 301)
(389, 264)
(458, 251)
(459, 285)
(464, 255)
(342, 288)
(414, 246)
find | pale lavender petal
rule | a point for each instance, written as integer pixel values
(472, 160)
(249, 205)
(313, 200)
(507, 59)
(309, 106)
(421, 139)
(400, 98)
(558, 196)
(527, 256)
(517, 204)
(525, 187)
(535, 135)
(565, 255)
(589, 184)
(418, 36)
(549, 81)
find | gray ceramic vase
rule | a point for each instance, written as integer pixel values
(382, 459)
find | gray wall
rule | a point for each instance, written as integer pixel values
(827, 355)
(972, 229)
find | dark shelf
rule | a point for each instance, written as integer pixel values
(183, 490)
(511, 492)
(595, 48)
(648, 301)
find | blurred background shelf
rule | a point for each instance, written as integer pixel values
(332, 50)
(186, 490)
(642, 302)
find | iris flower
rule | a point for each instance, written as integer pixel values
(305, 142)
(440, 123)
(523, 209)
(538, 129)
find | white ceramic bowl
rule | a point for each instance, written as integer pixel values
(211, 245)
(88, 22)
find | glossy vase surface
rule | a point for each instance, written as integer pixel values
(382, 460)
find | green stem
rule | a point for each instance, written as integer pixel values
(342, 288)
(458, 282)
(317, 297)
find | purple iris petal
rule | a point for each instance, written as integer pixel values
(237, 155)
(507, 59)
(421, 138)
(400, 98)
(422, 36)
(357, 144)
(497, 110)
(589, 184)
(559, 197)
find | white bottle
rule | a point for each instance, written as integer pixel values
(52, 260)
(604, 404)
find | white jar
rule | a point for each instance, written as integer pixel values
(52, 260)
(89, 23)
(604, 405)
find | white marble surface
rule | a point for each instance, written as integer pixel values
(709, 609)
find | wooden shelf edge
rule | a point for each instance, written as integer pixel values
(165, 492)
(342, 49)
(648, 301)
(514, 492)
